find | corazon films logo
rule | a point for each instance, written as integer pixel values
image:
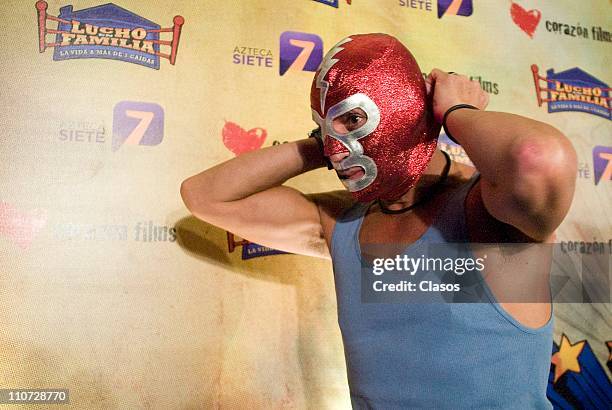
(572, 90)
(526, 20)
(107, 31)
(21, 226)
(300, 51)
(238, 140)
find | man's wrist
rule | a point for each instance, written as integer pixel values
(310, 152)
(446, 115)
(316, 134)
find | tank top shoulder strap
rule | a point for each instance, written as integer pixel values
(348, 224)
(451, 219)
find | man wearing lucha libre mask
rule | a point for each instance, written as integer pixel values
(378, 122)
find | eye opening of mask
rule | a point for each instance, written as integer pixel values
(349, 121)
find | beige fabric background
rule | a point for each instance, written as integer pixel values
(186, 324)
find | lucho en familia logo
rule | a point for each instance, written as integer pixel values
(107, 31)
(572, 90)
(250, 250)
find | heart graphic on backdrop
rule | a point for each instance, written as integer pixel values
(21, 226)
(526, 20)
(239, 141)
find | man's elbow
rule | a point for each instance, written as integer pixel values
(197, 200)
(188, 194)
(549, 159)
(545, 178)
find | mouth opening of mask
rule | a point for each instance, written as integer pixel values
(356, 172)
(353, 173)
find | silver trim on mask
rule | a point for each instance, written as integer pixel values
(326, 65)
(350, 139)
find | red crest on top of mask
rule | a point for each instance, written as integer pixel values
(404, 141)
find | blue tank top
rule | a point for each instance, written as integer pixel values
(434, 355)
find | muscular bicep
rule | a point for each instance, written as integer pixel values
(281, 218)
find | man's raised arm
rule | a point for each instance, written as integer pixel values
(528, 168)
(245, 196)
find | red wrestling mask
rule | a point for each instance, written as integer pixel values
(376, 73)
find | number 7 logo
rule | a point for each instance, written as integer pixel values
(602, 163)
(455, 7)
(300, 51)
(137, 123)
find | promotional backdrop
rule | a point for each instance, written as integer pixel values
(110, 289)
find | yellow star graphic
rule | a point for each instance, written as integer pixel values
(567, 357)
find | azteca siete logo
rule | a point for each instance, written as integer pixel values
(107, 31)
(297, 52)
(137, 123)
(572, 90)
(300, 51)
(602, 163)
(455, 7)
(445, 7)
